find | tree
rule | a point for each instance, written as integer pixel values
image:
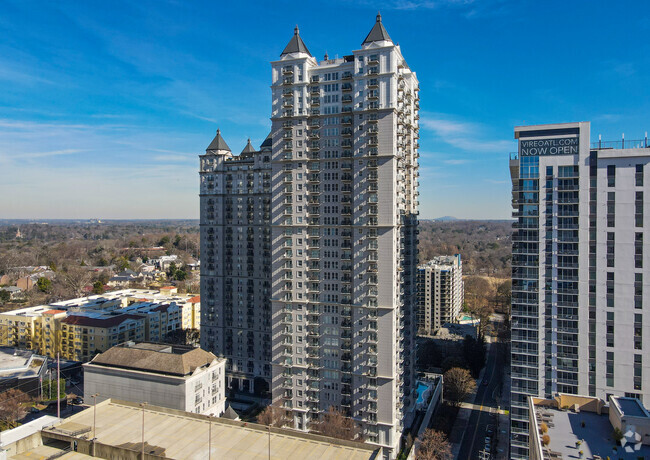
(452, 361)
(98, 287)
(49, 389)
(183, 337)
(428, 355)
(458, 384)
(5, 296)
(433, 446)
(336, 425)
(478, 291)
(617, 434)
(474, 353)
(73, 281)
(273, 415)
(121, 263)
(43, 284)
(13, 406)
(504, 295)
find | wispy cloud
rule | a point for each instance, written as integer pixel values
(52, 153)
(455, 161)
(461, 134)
(175, 158)
(416, 4)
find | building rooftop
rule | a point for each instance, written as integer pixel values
(442, 262)
(15, 363)
(93, 321)
(96, 306)
(566, 430)
(176, 434)
(452, 331)
(154, 357)
(631, 407)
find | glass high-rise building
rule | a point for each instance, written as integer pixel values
(579, 269)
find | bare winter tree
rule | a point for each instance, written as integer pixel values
(433, 446)
(12, 406)
(479, 293)
(458, 384)
(273, 415)
(337, 425)
(73, 280)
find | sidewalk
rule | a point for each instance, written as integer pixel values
(503, 435)
(460, 425)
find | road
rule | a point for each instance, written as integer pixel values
(484, 409)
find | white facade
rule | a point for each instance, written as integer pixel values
(345, 172)
(202, 390)
(308, 246)
(236, 262)
(440, 293)
(580, 269)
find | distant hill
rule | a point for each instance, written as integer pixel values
(445, 219)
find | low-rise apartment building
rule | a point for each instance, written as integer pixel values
(77, 329)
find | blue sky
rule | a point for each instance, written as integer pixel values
(104, 106)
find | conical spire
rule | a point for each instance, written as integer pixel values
(218, 143)
(377, 33)
(249, 147)
(295, 45)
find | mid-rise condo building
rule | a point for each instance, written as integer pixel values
(440, 293)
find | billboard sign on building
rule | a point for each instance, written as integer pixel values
(552, 146)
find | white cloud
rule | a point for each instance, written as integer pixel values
(463, 135)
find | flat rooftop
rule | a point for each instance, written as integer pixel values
(631, 407)
(16, 363)
(177, 434)
(565, 429)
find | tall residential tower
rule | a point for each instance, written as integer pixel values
(309, 246)
(344, 230)
(580, 318)
(236, 261)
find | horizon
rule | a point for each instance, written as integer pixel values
(106, 109)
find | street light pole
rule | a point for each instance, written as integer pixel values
(94, 420)
(209, 438)
(269, 427)
(143, 405)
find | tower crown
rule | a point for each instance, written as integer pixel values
(377, 33)
(295, 45)
(218, 143)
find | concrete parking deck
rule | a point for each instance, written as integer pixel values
(177, 434)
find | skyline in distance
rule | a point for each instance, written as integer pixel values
(106, 109)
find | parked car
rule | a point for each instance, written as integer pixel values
(78, 400)
(34, 410)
